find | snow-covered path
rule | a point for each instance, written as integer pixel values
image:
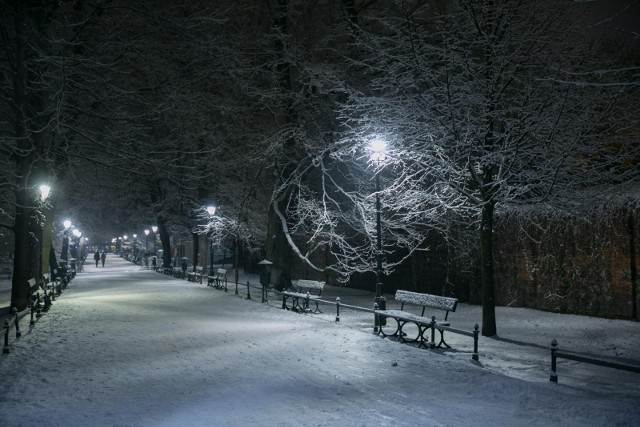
(125, 347)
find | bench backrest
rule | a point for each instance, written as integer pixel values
(33, 286)
(199, 270)
(310, 285)
(427, 300)
(222, 272)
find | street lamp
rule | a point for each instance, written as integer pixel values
(76, 246)
(378, 150)
(135, 247)
(146, 240)
(44, 191)
(211, 210)
(154, 229)
(64, 253)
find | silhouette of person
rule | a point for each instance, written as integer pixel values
(103, 258)
(96, 257)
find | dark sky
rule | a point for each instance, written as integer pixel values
(615, 17)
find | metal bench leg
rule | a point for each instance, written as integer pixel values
(442, 341)
(394, 334)
(317, 310)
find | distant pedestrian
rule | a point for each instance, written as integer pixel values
(96, 257)
(103, 257)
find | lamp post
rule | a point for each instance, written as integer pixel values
(76, 246)
(64, 253)
(378, 150)
(265, 277)
(154, 229)
(135, 248)
(146, 240)
(211, 210)
(44, 238)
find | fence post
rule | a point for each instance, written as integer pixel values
(38, 309)
(248, 291)
(554, 349)
(376, 330)
(337, 309)
(5, 349)
(32, 322)
(476, 331)
(15, 313)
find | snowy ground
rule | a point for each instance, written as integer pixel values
(125, 347)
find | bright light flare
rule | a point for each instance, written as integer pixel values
(378, 149)
(44, 191)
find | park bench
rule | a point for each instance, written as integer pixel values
(421, 322)
(48, 286)
(302, 292)
(218, 279)
(179, 273)
(39, 300)
(196, 275)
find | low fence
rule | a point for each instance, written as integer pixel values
(42, 298)
(264, 297)
(556, 354)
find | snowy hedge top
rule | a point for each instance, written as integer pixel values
(433, 301)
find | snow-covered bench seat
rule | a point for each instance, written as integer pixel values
(422, 323)
(218, 279)
(303, 291)
(196, 275)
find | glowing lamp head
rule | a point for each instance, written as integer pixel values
(211, 210)
(378, 150)
(44, 191)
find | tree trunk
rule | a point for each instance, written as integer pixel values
(633, 268)
(486, 268)
(196, 249)
(236, 258)
(278, 252)
(19, 287)
(166, 243)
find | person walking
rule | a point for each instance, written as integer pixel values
(96, 257)
(103, 257)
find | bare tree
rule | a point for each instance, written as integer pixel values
(482, 109)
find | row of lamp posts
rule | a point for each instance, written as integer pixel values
(122, 239)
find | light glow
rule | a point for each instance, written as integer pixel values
(44, 191)
(378, 149)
